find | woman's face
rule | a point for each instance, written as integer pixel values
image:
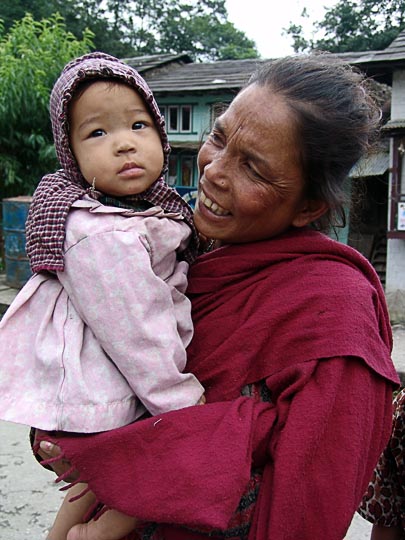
(251, 186)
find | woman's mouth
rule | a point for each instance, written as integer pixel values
(214, 207)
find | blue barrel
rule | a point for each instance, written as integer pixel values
(17, 267)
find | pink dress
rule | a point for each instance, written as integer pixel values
(92, 348)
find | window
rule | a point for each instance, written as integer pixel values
(172, 172)
(185, 118)
(178, 118)
(182, 170)
(173, 120)
(397, 195)
(187, 170)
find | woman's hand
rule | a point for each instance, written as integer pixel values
(112, 525)
(48, 450)
(71, 513)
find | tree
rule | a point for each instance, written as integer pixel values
(353, 26)
(204, 35)
(131, 28)
(32, 55)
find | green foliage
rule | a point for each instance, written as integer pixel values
(32, 56)
(127, 28)
(199, 28)
(205, 36)
(353, 26)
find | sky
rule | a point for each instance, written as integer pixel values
(263, 21)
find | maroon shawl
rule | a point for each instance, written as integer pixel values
(268, 310)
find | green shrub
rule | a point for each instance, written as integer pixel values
(32, 56)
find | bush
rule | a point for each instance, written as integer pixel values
(32, 56)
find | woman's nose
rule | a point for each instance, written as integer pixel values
(216, 171)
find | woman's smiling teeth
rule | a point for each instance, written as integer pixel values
(214, 207)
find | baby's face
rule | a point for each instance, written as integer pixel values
(114, 139)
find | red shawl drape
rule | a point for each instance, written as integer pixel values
(307, 315)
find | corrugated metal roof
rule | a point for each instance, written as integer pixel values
(198, 77)
(156, 61)
(395, 52)
(375, 164)
(394, 125)
(178, 73)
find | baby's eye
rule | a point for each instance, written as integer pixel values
(97, 133)
(138, 125)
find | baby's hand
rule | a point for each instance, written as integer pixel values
(202, 400)
(112, 525)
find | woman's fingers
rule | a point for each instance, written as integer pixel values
(70, 512)
(112, 525)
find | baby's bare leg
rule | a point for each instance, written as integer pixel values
(71, 513)
(112, 525)
(387, 533)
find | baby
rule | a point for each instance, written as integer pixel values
(96, 338)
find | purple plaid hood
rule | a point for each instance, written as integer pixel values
(45, 227)
(95, 65)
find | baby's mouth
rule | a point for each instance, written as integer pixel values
(129, 166)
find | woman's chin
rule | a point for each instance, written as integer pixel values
(209, 224)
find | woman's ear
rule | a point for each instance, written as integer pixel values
(311, 211)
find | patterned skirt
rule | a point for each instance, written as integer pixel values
(384, 501)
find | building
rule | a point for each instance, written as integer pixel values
(388, 66)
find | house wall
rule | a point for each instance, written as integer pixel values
(201, 122)
(398, 95)
(395, 279)
(395, 270)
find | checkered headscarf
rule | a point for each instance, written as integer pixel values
(55, 194)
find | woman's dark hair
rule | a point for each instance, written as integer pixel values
(337, 121)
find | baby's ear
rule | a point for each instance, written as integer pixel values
(311, 211)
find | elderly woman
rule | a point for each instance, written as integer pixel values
(292, 336)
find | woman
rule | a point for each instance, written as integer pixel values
(292, 336)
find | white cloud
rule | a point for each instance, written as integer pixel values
(263, 21)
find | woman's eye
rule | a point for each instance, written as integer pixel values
(97, 133)
(254, 172)
(138, 125)
(215, 138)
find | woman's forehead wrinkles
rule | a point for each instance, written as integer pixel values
(233, 125)
(236, 134)
(235, 113)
